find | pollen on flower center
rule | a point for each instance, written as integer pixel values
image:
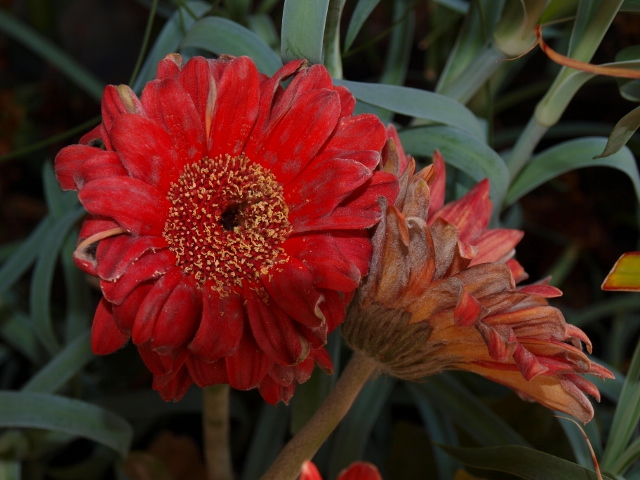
(227, 221)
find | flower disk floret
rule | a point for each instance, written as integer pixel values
(227, 221)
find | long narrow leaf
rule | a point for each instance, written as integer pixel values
(220, 35)
(462, 151)
(61, 414)
(267, 442)
(40, 295)
(473, 416)
(43, 47)
(169, 39)
(62, 367)
(416, 103)
(521, 461)
(360, 14)
(567, 156)
(622, 132)
(303, 24)
(353, 433)
(16, 330)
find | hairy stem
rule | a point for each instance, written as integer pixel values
(308, 440)
(215, 424)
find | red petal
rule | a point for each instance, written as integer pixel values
(468, 311)
(125, 314)
(114, 255)
(321, 186)
(356, 134)
(197, 80)
(92, 135)
(248, 365)
(136, 206)
(382, 184)
(174, 389)
(170, 105)
(307, 79)
(221, 325)
(309, 471)
(496, 245)
(91, 226)
(438, 186)
(147, 268)
(273, 393)
(347, 101)
(169, 66)
(293, 141)
(205, 374)
(272, 329)
(152, 306)
(291, 286)
(236, 108)
(67, 162)
(146, 150)
(324, 258)
(334, 307)
(527, 363)
(545, 291)
(470, 214)
(360, 471)
(115, 102)
(501, 342)
(99, 165)
(179, 318)
(342, 218)
(106, 337)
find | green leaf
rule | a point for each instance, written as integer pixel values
(24, 256)
(355, 429)
(267, 442)
(462, 151)
(71, 360)
(629, 88)
(169, 39)
(440, 429)
(578, 443)
(80, 309)
(220, 35)
(626, 416)
(263, 26)
(10, 470)
(62, 414)
(360, 14)
(520, 461)
(474, 417)
(42, 46)
(417, 103)
(16, 330)
(622, 132)
(570, 155)
(302, 30)
(40, 294)
(394, 71)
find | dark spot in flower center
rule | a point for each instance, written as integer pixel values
(229, 218)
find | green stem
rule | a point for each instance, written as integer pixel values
(332, 58)
(310, 438)
(482, 67)
(215, 424)
(525, 145)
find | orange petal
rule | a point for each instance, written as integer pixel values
(625, 274)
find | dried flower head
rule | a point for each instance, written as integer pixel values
(441, 294)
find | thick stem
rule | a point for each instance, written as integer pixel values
(215, 424)
(307, 441)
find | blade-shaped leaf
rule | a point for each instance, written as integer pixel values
(360, 14)
(521, 461)
(303, 24)
(418, 104)
(40, 294)
(461, 150)
(470, 414)
(62, 414)
(62, 367)
(267, 442)
(353, 433)
(169, 39)
(220, 35)
(622, 132)
(567, 156)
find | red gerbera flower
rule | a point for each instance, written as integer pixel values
(355, 471)
(228, 220)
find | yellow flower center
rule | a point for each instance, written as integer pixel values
(227, 222)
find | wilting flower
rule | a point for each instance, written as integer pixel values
(355, 471)
(228, 220)
(441, 294)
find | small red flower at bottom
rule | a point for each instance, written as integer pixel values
(356, 471)
(228, 220)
